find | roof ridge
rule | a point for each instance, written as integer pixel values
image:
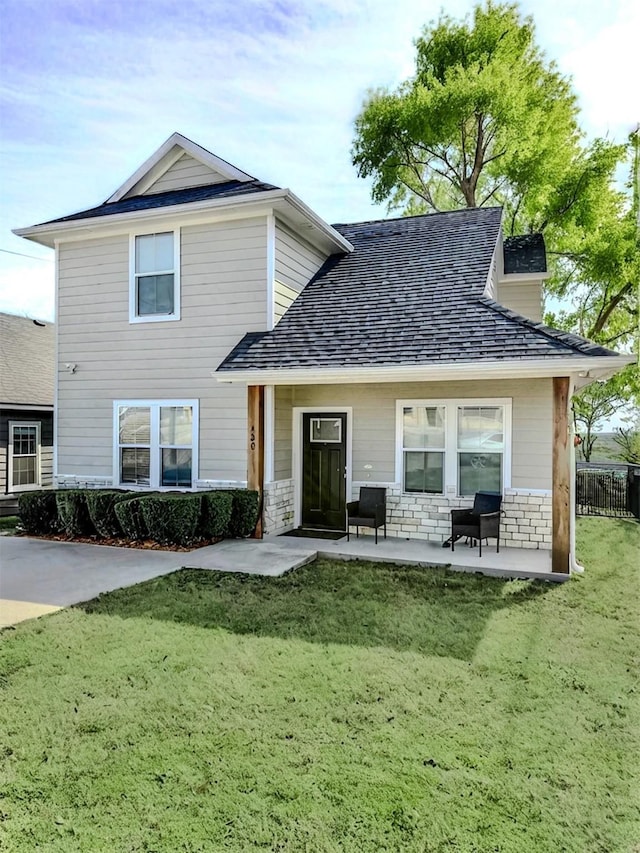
(569, 339)
(416, 216)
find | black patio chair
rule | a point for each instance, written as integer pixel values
(369, 511)
(480, 522)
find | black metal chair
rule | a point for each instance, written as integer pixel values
(369, 511)
(481, 522)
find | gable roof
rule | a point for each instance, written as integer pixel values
(27, 362)
(162, 160)
(229, 189)
(411, 294)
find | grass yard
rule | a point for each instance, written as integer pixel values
(345, 707)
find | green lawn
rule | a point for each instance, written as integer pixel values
(345, 707)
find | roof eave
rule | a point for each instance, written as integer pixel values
(585, 370)
(47, 233)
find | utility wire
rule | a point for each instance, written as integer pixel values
(22, 255)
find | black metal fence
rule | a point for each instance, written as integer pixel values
(607, 489)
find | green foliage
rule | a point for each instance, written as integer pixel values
(216, 513)
(130, 518)
(484, 119)
(73, 514)
(244, 513)
(172, 519)
(599, 401)
(628, 441)
(38, 512)
(101, 506)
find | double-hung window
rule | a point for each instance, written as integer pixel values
(155, 277)
(453, 446)
(23, 456)
(156, 443)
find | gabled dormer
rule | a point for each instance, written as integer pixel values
(518, 270)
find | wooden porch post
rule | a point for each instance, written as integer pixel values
(561, 478)
(255, 447)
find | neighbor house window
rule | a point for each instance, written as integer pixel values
(156, 443)
(453, 446)
(155, 274)
(24, 456)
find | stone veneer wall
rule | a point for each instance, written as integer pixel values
(278, 506)
(526, 519)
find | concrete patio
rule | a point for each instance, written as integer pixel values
(509, 563)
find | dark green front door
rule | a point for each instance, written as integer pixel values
(324, 460)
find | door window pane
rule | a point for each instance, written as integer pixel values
(423, 472)
(326, 429)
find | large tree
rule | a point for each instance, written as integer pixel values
(487, 119)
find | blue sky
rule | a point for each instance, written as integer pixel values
(90, 88)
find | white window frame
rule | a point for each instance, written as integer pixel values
(11, 489)
(451, 485)
(134, 317)
(155, 445)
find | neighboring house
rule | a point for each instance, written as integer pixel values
(27, 360)
(222, 334)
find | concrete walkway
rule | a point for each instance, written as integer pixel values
(39, 576)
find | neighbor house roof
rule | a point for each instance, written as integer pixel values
(411, 293)
(27, 362)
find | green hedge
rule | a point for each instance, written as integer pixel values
(73, 514)
(172, 519)
(130, 518)
(216, 514)
(244, 514)
(101, 504)
(38, 512)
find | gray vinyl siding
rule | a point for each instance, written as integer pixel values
(374, 423)
(223, 295)
(282, 433)
(283, 297)
(296, 261)
(185, 172)
(523, 297)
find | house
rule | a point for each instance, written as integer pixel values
(222, 334)
(27, 360)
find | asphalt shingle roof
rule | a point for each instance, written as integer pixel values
(411, 292)
(228, 189)
(27, 361)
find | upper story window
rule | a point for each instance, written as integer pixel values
(454, 446)
(155, 277)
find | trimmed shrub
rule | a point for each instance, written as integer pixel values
(101, 506)
(129, 514)
(73, 515)
(244, 514)
(172, 519)
(38, 511)
(216, 513)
